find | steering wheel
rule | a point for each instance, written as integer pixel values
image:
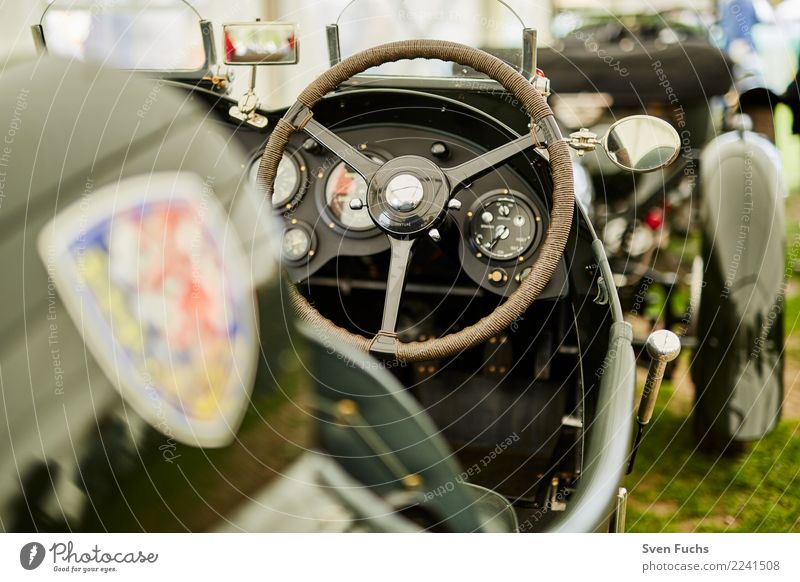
(409, 196)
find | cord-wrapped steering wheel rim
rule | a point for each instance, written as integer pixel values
(551, 249)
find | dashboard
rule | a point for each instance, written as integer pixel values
(493, 238)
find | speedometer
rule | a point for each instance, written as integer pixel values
(342, 186)
(289, 180)
(503, 225)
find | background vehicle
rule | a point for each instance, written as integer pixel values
(698, 247)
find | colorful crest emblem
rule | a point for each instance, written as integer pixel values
(157, 282)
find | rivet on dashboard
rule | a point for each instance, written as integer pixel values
(311, 253)
(331, 225)
(412, 481)
(479, 255)
(469, 214)
(497, 277)
(294, 221)
(521, 258)
(492, 340)
(320, 175)
(362, 146)
(302, 168)
(346, 408)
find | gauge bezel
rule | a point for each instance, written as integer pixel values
(302, 181)
(326, 215)
(312, 249)
(489, 198)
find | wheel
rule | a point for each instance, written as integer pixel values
(408, 197)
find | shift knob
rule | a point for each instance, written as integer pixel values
(663, 346)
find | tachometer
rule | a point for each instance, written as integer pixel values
(289, 180)
(342, 186)
(503, 226)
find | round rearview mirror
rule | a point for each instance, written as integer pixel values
(641, 143)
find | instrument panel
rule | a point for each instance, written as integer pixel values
(341, 187)
(503, 226)
(291, 180)
(494, 238)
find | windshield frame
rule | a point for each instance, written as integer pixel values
(526, 65)
(208, 43)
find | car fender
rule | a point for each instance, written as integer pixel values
(742, 190)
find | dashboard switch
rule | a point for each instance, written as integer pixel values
(440, 150)
(312, 146)
(454, 204)
(435, 235)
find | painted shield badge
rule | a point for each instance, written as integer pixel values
(157, 283)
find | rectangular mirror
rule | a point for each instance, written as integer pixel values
(260, 43)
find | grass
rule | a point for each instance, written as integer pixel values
(789, 146)
(678, 488)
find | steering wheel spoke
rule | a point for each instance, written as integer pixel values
(463, 174)
(362, 164)
(401, 250)
(398, 267)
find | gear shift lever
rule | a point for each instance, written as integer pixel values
(663, 346)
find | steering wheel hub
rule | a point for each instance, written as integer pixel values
(407, 196)
(404, 192)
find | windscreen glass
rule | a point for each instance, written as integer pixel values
(491, 26)
(159, 35)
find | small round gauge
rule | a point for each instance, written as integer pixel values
(288, 180)
(342, 186)
(503, 226)
(297, 244)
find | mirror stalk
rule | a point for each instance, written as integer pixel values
(583, 141)
(247, 106)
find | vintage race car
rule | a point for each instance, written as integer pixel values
(377, 309)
